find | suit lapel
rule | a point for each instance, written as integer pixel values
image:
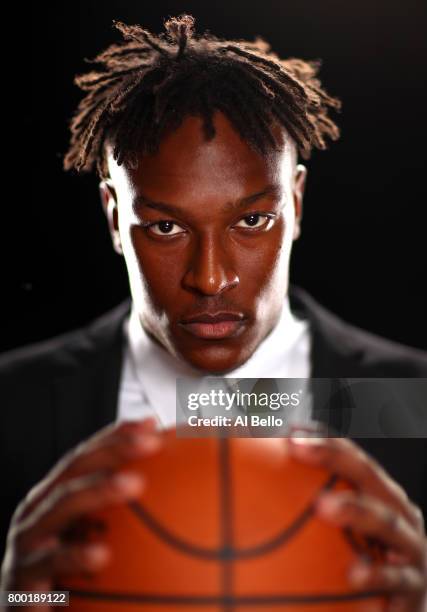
(86, 397)
(332, 354)
(333, 359)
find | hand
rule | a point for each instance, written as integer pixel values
(380, 508)
(88, 478)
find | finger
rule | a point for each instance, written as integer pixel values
(399, 603)
(42, 566)
(367, 515)
(107, 450)
(37, 571)
(70, 501)
(344, 458)
(389, 578)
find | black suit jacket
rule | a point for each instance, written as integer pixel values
(57, 393)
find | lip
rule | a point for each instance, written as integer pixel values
(214, 326)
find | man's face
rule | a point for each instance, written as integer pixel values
(206, 229)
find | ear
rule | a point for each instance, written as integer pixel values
(298, 193)
(109, 204)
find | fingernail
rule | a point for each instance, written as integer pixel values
(306, 441)
(329, 505)
(149, 424)
(146, 442)
(96, 553)
(306, 446)
(319, 430)
(359, 574)
(127, 482)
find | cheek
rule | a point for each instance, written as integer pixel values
(153, 273)
(266, 258)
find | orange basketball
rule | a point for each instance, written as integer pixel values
(224, 525)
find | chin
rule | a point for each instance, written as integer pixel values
(216, 359)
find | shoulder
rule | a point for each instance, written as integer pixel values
(393, 358)
(57, 356)
(343, 349)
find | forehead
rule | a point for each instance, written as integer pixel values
(186, 161)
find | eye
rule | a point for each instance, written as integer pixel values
(255, 221)
(165, 228)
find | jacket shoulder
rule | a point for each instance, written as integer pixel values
(393, 358)
(56, 356)
(347, 350)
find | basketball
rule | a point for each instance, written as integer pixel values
(223, 525)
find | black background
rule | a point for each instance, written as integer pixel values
(363, 248)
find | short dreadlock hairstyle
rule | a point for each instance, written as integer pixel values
(149, 83)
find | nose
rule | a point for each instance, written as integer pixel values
(210, 270)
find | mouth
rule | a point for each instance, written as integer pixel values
(214, 326)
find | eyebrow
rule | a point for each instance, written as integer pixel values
(270, 190)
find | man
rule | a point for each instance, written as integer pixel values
(195, 140)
